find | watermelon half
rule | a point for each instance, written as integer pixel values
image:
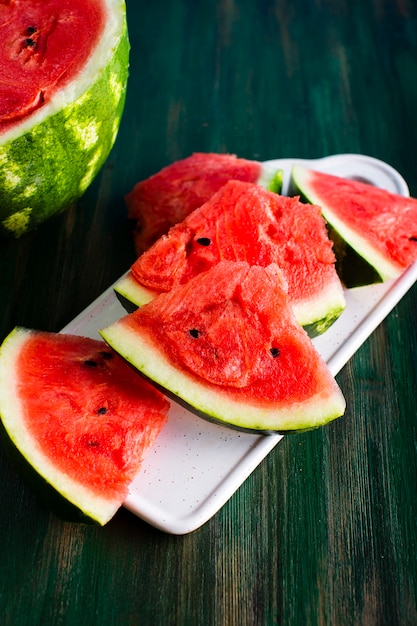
(63, 75)
(167, 197)
(227, 345)
(245, 222)
(76, 419)
(379, 225)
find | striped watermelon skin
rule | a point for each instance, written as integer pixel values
(48, 159)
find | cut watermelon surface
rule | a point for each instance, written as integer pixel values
(77, 419)
(45, 44)
(227, 344)
(245, 222)
(379, 225)
(63, 75)
(167, 197)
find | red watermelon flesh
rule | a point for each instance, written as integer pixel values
(79, 415)
(44, 44)
(171, 194)
(245, 222)
(228, 345)
(377, 224)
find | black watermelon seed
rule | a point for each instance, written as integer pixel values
(194, 333)
(106, 355)
(31, 30)
(102, 410)
(413, 238)
(204, 241)
(274, 352)
(30, 43)
(90, 363)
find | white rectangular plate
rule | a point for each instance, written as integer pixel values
(196, 466)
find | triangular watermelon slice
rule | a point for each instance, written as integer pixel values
(245, 222)
(227, 345)
(379, 225)
(167, 197)
(76, 419)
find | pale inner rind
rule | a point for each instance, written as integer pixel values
(330, 303)
(147, 357)
(133, 291)
(375, 258)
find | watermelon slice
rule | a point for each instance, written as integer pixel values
(77, 420)
(63, 74)
(167, 197)
(379, 225)
(245, 222)
(227, 345)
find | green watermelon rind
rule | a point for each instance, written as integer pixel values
(271, 179)
(149, 359)
(68, 498)
(49, 160)
(301, 178)
(319, 309)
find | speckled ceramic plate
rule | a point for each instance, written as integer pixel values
(196, 466)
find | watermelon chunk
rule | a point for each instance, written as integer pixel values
(227, 344)
(76, 419)
(167, 197)
(245, 222)
(63, 75)
(379, 225)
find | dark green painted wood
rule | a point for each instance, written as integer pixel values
(324, 531)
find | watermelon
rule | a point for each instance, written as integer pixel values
(167, 197)
(227, 345)
(76, 419)
(379, 225)
(63, 75)
(243, 221)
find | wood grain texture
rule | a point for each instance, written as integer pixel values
(324, 531)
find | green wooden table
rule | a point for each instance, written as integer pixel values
(324, 531)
